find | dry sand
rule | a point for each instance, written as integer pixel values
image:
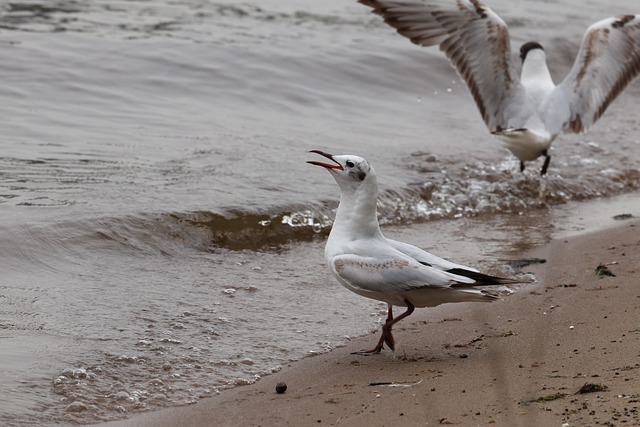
(517, 362)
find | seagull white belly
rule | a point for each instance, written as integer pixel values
(393, 299)
(431, 297)
(525, 144)
(423, 297)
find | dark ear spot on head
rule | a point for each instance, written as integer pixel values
(359, 175)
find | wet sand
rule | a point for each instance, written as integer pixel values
(517, 362)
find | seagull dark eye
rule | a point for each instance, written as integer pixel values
(350, 164)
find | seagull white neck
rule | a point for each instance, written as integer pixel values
(535, 70)
(357, 215)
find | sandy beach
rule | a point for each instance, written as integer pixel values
(562, 352)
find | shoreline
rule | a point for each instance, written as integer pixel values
(517, 361)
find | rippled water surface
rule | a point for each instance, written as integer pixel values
(161, 234)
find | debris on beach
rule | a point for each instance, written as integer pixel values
(602, 271)
(621, 217)
(550, 397)
(525, 262)
(592, 388)
(281, 387)
(392, 384)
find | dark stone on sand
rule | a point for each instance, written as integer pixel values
(281, 387)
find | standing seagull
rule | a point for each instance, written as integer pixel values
(367, 263)
(526, 113)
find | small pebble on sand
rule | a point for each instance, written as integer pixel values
(281, 387)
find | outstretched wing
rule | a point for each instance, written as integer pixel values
(475, 40)
(608, 60)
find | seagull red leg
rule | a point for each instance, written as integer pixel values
(386, 329)
(387, 336)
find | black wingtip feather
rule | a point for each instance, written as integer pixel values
(481, 279)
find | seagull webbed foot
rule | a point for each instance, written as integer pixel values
(375, 350)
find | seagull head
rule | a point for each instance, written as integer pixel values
(527, 47)
(350, 172)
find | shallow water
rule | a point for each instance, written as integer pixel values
(161, 232)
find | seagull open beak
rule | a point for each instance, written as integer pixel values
(326, 165)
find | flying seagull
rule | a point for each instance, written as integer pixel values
(400, 274)
(528, 112)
